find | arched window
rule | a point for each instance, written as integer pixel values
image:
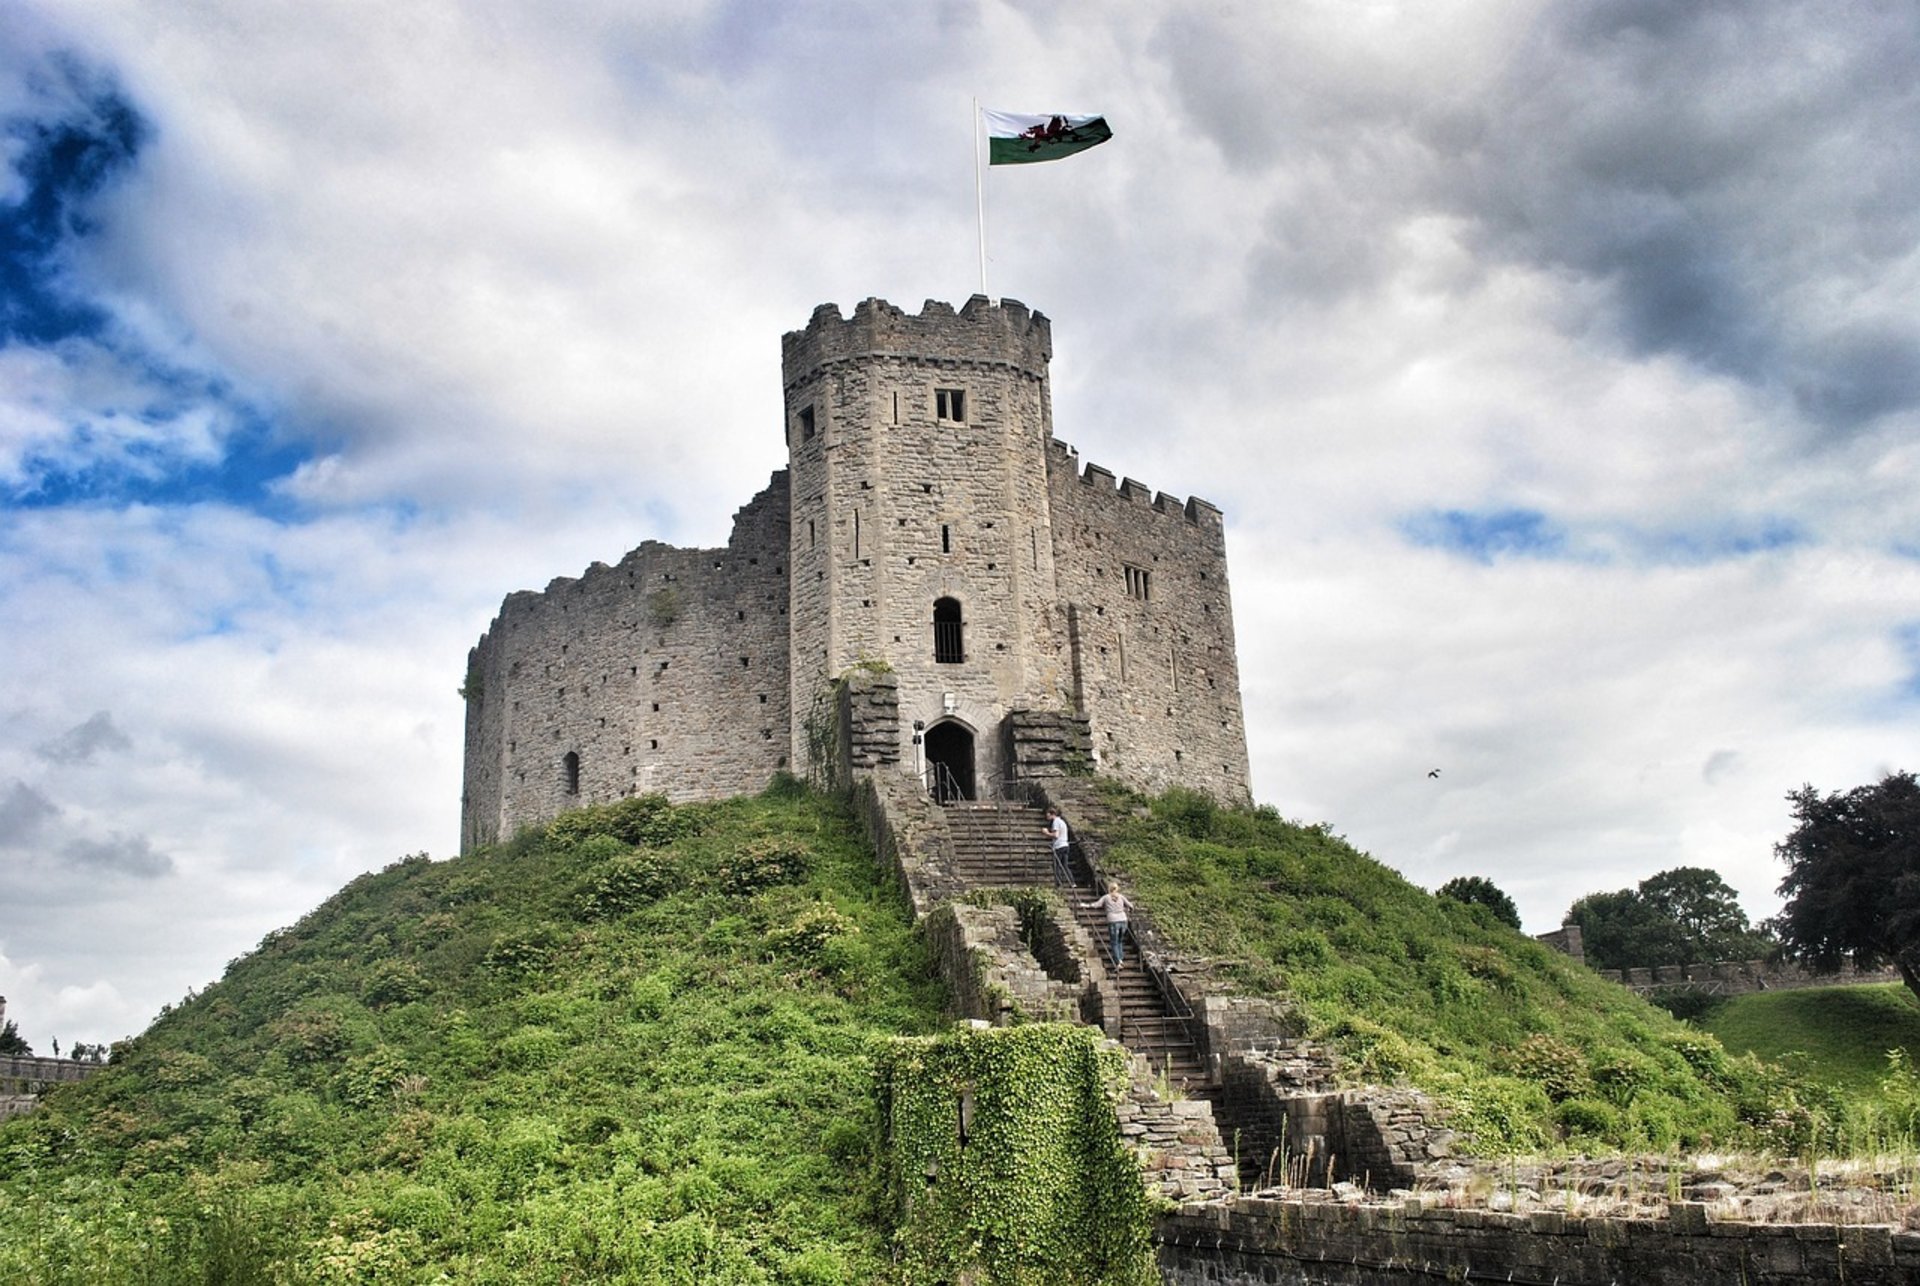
(949, 644)
(570, 772)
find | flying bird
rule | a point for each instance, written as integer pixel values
(1434, 772)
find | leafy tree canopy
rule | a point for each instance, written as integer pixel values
(1853, 877)
(12, 1043)
(1477, 890)
(1687, 915)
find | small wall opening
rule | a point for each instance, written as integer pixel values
(570, 772)
(949, 641)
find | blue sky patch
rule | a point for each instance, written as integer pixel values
(62, 160)
(1485, 535)
(1716, 543)
(251, 461)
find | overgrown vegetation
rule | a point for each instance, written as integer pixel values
(635, 1046)
(1006, 1161)
(1529, 1050)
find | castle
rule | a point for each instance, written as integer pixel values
(928, 523)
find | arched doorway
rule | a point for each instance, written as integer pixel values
(950, 761)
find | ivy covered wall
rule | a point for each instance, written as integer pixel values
(1004, 1164)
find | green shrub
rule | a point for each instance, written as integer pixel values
(1587, 1118)
(642, 821)
(626, 882)
(393, 982)
(525, 951)
(1556, 1066)
(811, 933)
(762, 864)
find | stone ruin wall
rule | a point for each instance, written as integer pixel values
(1157, 676)
(666, 673)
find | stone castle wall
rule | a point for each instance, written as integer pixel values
(923, 474)
(1150, 619)
(897, 505)
(667, 673)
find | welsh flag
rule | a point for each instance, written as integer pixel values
(1014, 139)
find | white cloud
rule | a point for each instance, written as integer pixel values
(512, 281)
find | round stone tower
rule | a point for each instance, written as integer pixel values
(920, 516)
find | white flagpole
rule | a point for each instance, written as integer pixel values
(980, 196)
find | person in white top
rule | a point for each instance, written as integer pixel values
(1062, 846)
(1115, 904)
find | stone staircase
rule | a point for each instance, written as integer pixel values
(1148, 1028)
(1005, 846)
(1000, 846)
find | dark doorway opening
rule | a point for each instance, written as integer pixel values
(950, 761)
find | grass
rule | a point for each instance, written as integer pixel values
(1837, 1034)
(1529, 1051)
(636, 1047)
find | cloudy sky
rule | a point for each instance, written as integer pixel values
(1556, 365)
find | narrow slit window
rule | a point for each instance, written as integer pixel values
(946, 539)
(570, 772)
(806, 423)
(950, 405)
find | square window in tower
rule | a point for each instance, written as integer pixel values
(950, 405)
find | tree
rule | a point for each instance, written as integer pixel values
(1621, 930)
(1853, 877)
(1708, 914)
(1686, 915)
(1477, 890)
(12, 1043)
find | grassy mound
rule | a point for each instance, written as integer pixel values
(1838, 1034)
(1529, 1050)
(635, 1047)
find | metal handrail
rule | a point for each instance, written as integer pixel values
(943, 786)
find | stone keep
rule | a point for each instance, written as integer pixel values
(928, 521)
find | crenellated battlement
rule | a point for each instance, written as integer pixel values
(1102, 482)
(981, 332)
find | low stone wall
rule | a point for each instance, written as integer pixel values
(982, 954)
(1741, 977)
(23, 1080)
(1567, 940)
(868, 719)
(1303, 1131)
(1314, 1240)
(1178, 1143)
(909, 834)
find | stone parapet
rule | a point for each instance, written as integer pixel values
(1316, 1238)
(1742, 977)
(981, 331)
